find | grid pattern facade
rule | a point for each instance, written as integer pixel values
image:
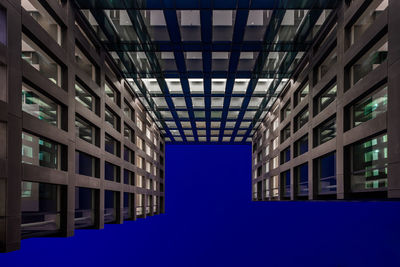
(91, 153)
(333, 133)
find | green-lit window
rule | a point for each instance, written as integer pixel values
(369, 164)
(40, 106)
(369, 107)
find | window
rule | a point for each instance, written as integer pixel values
(285, 133)
(285, 155)
(266, 167)
(325, 131)
(148, 150)
(139, 180)
(285, 112)
(129, 133)
(139, 123)
(111, 172)
(259, 171)
(112, 93)
(84, 207)
(301, 146)
(129, 155)
(326, 173)
(275, 125)
(369, 164)
(110, 206)
(86, 97)
(129, 177)
(40, 14)
(323, 68)
(148, 133)
(41, 61)
(86, 164)
(111, 145)
(40, 208)
(267, 150)
(323, 99)
(128, 201)
(301, 119)
(275, 186)
(3, 26)
(285, 180)
(86, 65)
(40, 106)
(301, 94)
(129, 111)
(275, 143)
(87, 131)
(43, 152)
(139, 142)
(363, 23)
(275, 162)
(267, 192)
(140, 162)
(369, 61)
(139, 204)
(301, 179)
(369, 107)
(112, 118)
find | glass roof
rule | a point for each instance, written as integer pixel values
(207, 71)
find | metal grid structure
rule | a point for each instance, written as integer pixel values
(207, 70)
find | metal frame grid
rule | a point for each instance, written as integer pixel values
(159, 43)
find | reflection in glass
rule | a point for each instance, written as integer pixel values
(301, 178)
(84, 130)
(84, 207)
(189, 24)
(370, 107)
(83, 96)
(325, 131)
(85, 65)
(257, 23)
(327, 173)
(110, 206)
(327, 96)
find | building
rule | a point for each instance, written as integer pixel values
(90, 92)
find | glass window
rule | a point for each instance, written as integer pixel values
(86, 65)
(327, 96)
(129, 177)
(86, 131)
(325, 131)
(129, 111)
(275, 186)
(285, 133)
(112, 118)
(285, 155)
(111, 145)
(257, 23)
(112, 93)
(43, 152)
(140, 162)
(285, 180)
(40, 14)
(41, 61)
(111, 172)
(139, 123)
(367, 18)
(301, 94)
(369, 61)
(40, 106)
(267, 150)
(3, 26)
(369, 164)
(139, 142)
(275, 162)
(301, 179)
(285, 112)
(326, 171)
(84, 207)
(129, 133)
(266, 167)
(369, 107)
(323, 68)
(223, 21)
(275, 143)
(110, 206)
(129, 155)
(85, 97)
(40, 208)
(128, 199)
(86, 164)
(301, 146)
(275, 124)
(301, 119)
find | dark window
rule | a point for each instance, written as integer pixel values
(129, 155)
(369, 164)
(87, 131)
(301, 146)
(323, 68)
(111, 172)
(112, 93)
(301, 179)
(86, 97)
(301, 119)
(326, 173)
(128, 199)
(301, 94)
(84, 207)
(129, 133)
(110, 206)
(112, 146)
(285, 133)
(325, 131)
(285, 181)
(259, 170)
(129, 111)
(285, 155)
(40, 208)
(86, 164)
(3, 26)
(129, 177)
